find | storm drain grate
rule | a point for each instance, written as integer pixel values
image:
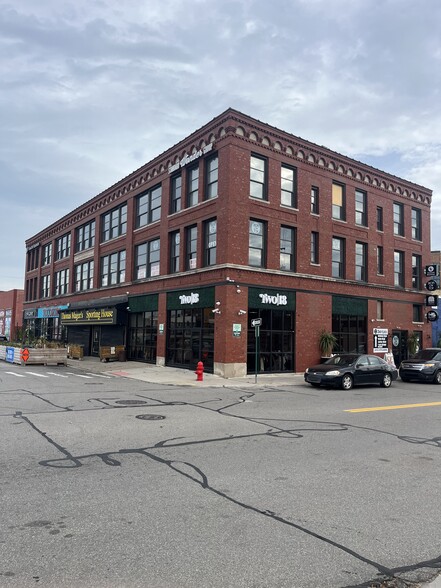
(131, 402)
(150, 417)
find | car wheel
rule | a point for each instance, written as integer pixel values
(347, 382)
(387, 381)
(437, 378)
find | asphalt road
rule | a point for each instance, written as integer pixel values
(112, 482)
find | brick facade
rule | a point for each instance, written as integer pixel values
(234, 137)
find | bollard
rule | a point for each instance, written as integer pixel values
(199, 372)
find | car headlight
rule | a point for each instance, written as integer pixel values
(333, 373)
(426, 365)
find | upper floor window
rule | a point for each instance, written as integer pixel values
(193, 186)
(379, 218)
(338, 201)
(416, 272)
(258, 177)
(61, 285)
(45, 286)
(175, 244)
(398, 219)
(361, 262)
(257, 243)
(84, 276)
(211, 177)
(361, 208)
(314, 247)
(380, 315)
(287, 249)
(148, 207)
(176, 194)
(416, 224)
(338, 257)
(32, 259)
(191, 247)
(85, 236)
(289, 186)
(147, 257)
(114, 223)
(380, 260)
(399, 269)
(47, 254)
(417, 314)
(113, 269)
(314, 200)
(63, 246)
(210, 242)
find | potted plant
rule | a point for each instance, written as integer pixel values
(413, 342)
(327, 340)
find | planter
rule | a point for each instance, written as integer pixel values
(43, 356)
(75, 351)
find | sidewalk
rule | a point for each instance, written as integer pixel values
(155, 374)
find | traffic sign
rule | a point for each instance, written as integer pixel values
(256, 322)
(432, 316)
(25, 355)
(431, 285)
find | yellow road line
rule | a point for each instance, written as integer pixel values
(374, 408)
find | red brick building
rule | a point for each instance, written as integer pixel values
(11, 313)
(239, 221)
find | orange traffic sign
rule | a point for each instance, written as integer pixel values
(25, 354)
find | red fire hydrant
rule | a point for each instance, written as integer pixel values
(199, 372)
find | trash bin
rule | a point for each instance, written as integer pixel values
(122, 355)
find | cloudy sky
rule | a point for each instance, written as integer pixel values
(90, 90)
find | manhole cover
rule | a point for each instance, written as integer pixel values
(150, 417)
(131, 402)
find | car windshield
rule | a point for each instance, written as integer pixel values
(342, 360)
(425, 354)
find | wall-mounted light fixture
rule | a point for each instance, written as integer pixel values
(217, 302)
(238, 290)
(241, 312)
(229, 280)
(216, 311)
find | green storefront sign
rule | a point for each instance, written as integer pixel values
(197, 298)
(147, 302)
(273, 299)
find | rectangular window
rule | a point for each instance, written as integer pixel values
(338, 257)
(288, 178)
(84, 276)
(47, 254)
(62, 246)
(380, 260)
(175, 244)
(257, 243)
(380, 315)
(417, 313)
(148, 207)
(379, 218)
(211, 177)
(61, 282)
(399, 269)
(315, 247)
(416, 272)
(398, 219)
(45, 286)
(314, 200)
(416, 224)
(361, 262)
(288, 249)
(147, 257)
(338, 201)
(258, 177)
(113, 269)
(114, 223)
(193, 186)
(210, 242)
(85, 237)
(191, 247)
(175, 194)
(32, 258)
(361, 208)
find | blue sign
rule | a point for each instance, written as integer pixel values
(10, 354)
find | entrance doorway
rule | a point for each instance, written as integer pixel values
(276, 341)
(399, 346)
(95, 346)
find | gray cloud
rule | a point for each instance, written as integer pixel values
(91, 90)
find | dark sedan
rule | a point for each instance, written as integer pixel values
(424, 366)
(351, 369)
